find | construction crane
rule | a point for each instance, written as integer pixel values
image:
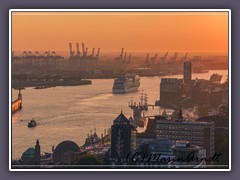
(78, 51)
(98, 53)
(185, 57)
(125, 57)
(174, 57)
(120, 57)
(71, 51)
(46, 53)
(93, 52)
(129, 58)
(164, 58)
(154, 57)
(147, 60)
(83, 50)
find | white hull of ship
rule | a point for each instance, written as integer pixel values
(119, 91)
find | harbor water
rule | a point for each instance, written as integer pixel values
(70, 113)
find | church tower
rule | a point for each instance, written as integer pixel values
(38, 152)
(180, 114)
(120, 137)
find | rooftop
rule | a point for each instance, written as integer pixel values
(67, 146)
(184, 121)
(29, 153)
(121, 118)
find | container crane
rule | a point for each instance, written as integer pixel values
(78, 51)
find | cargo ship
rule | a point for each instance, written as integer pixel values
(126, 83)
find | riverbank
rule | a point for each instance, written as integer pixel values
(15, 83)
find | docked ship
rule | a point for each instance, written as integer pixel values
(126, 83)
(17, 104)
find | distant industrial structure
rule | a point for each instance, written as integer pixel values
(122, 58)
(48, 59)
(82, 59)
(79, 60)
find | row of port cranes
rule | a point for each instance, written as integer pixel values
(81, 59)
(32, 58)
(124, 59)
(165, 63)
(171, 63)
(52, 60)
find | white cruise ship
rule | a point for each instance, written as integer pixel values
(126, 83)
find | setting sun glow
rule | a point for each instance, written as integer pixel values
(136, 31)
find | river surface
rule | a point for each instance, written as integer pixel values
(69, 113)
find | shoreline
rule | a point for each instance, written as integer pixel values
(48, 84)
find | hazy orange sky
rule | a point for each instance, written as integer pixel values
(135, 31)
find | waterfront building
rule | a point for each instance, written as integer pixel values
(32, 155)
(197, 133)
(170, 91)
(82, 59)
(66, 153)
(209, 94)
(123, 139)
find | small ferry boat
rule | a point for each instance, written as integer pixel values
(32, 123)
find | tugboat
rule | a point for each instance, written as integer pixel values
(32, 123)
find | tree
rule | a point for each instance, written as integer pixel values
(203, 111)
(222, 146)
(87, 159)
(174, 114)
